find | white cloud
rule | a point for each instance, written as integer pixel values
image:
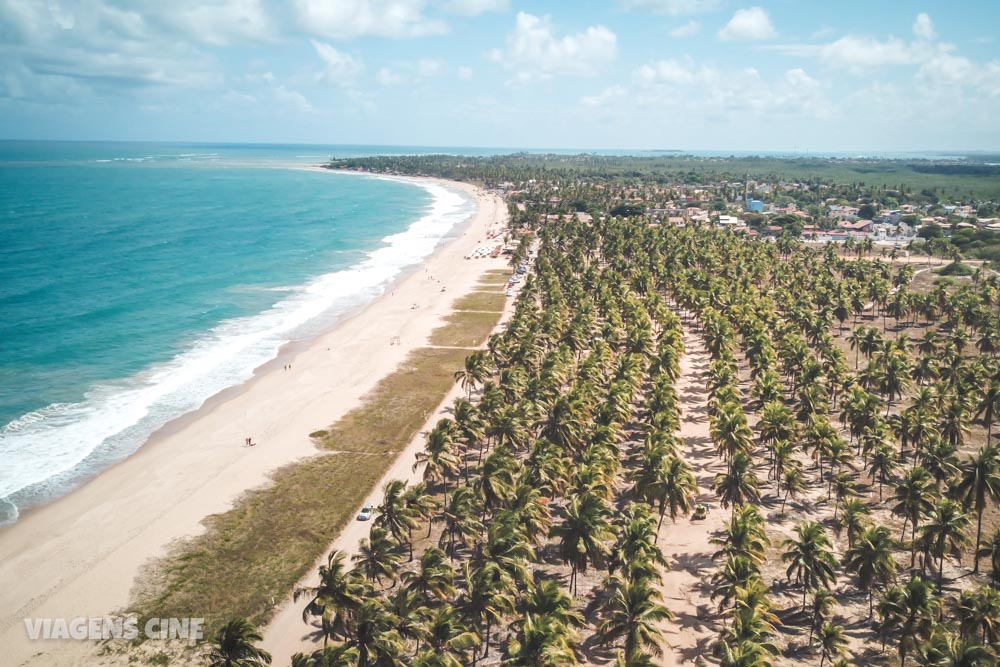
(464, 72)
(476, 7)
(220, 22)
(923, 27)
(672, 7)
(687, 30)
(341, 68)
(428, 67)
(861, 52)
(347, 19)
(714, 91)
(605, 97)
(536, 52)
(671, 72)
(748, 24)
(387, 77)
(291, 99)
(410, 72)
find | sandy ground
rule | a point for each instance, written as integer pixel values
(80, 555)
(686, 589)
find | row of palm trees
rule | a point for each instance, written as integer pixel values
(938, 498)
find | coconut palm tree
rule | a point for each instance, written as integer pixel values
(979, 483)
(334, 598)
(394, 515)
(823, 604)
(991, 549)
(475, 371)
(832, 642)
(448, 637)
(234, 646)
(853, 519)
(676, 489)
(541, 641)
(583, 533)
(908, 611)
(333, 655)
(810, 558)
(870, 559)
(377, 557)
(793, 483)
(913, 498)
(943, 533)
(371, 632)
(633, 613)
(739, 485)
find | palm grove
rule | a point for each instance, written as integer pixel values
(850, 414)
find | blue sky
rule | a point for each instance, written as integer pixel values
(686, 74)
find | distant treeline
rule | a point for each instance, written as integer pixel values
(950, 179)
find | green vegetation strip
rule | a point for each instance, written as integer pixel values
(257, 551)
(465, 329)
(488, 301)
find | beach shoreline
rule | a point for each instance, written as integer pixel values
(196, 465)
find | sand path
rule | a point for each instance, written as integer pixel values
(80, 555)
(685, 587)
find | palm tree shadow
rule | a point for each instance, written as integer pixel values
(696, 655)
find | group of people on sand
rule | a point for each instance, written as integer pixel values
(249, 442)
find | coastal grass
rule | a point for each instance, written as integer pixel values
(250, 557)
(484, 301)
(464, 329)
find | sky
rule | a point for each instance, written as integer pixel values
(769, 75)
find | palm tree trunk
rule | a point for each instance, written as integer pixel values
(979, 534)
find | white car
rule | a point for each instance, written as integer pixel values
(366, 513)
(510, 292)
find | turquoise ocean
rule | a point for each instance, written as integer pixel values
(138, 280)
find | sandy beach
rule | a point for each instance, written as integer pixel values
(80, 555)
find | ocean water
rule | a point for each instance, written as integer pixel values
(138, 280)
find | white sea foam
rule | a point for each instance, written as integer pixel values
(47, 452)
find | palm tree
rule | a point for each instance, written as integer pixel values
(823, 602)
(870, 558)
(913, 497)
(438, 455)
(991, 549)
(810, 558)
(583, 533)
(371, 633)
(486, 598)
(677, 487)
(448, 637)
(334, 655)
(739, 485)
(334, 598)
(234, 646)
(978, 483)
(541, 642)
(394, 515)
(460, 519)
(943, 533)
(476, 370)
(377, 556)
(792, 483)
(853, 519)
(434, 578)
(632, 614)
(832, 641)
(989, 407)
(910, 612)
(943, 648)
